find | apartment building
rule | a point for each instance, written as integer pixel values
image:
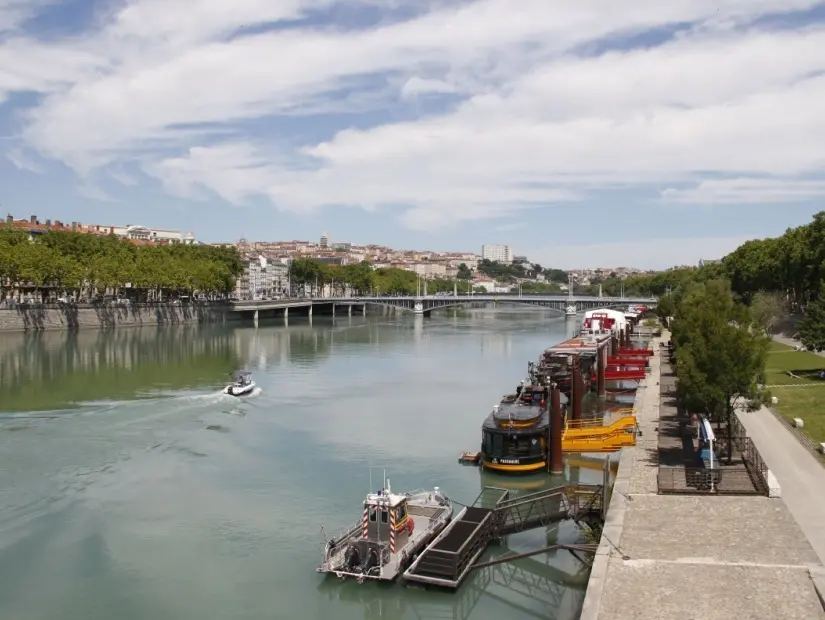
(497, 252)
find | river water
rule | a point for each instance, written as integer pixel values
(132, 489)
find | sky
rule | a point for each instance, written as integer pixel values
(587, 133)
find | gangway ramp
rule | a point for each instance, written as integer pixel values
(451, 555)
(612, 442)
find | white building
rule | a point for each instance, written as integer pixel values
(491, 286)
(262, 279)
(136, 231)
(324, 240)
(429, 270)
(498, 253)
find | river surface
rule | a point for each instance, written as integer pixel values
(132, 489)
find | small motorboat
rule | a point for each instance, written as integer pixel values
(242, 386)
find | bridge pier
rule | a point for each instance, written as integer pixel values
(310, 311)
(286, 314)
(364, 310)
(255, 318)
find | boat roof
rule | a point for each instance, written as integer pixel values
(382, 497)
(541, 417)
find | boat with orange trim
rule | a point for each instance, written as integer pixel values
(394, 528)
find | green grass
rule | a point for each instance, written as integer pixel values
(807, 403)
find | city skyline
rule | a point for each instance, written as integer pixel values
(653, 136)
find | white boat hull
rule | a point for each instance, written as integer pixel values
(239, 390)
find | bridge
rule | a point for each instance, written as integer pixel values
(424, 304)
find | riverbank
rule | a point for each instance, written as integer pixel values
(680, 556)
(22, 319)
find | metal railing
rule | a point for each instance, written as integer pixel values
(734, 480)
(750, 455)
(747, 477)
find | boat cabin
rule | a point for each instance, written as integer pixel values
(514, 438)
(385, 511)
(243, 378)
(533, 395)
(598, 323)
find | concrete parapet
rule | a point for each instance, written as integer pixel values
(798, 423)
(97, 317)
(774, 490)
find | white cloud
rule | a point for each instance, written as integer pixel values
(416, 86)
(747, 191)
(164, 83)
(651, 252)
(22, 161)
(89, 190)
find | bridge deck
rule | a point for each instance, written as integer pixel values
(432, 302)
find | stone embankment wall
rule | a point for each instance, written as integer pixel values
(73, 317)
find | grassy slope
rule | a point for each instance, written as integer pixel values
(807, 402)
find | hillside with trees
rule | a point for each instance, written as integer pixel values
(313, 275)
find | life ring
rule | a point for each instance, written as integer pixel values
(410, 526)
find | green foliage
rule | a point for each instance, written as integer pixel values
(501, 271)
(70, 261)
(792, 265)
(309, 272)
(768, 309)
(464, 272)
(721, 351)
(558, 276)
(812, 326)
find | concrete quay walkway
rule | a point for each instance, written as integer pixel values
(690, 557)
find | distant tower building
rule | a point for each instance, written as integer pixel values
(497, 253)
(325, 240)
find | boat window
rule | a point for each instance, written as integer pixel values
(385, 515)
(400, 513)
(372, 514)
(498, 445)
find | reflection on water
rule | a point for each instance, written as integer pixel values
(525, 588)
(55, 370)
(150, 494)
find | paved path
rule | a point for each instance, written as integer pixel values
(800, 476)
(792, 342)
(751, 560)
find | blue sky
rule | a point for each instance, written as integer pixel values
(580, 133)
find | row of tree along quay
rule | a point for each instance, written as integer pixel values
(83, 267)
(720, 351)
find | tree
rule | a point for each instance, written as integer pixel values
(768, 309)
(464, 272)
(556, 275)
(812, 326)
(721, 352)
